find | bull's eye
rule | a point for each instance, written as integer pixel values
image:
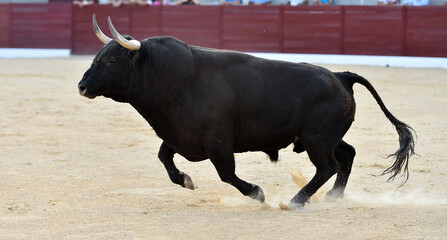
(112, 62)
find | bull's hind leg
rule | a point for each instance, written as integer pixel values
(166, 156)
(344, 153)
(222, 157)
(321, 155)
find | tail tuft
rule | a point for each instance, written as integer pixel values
(407, 137)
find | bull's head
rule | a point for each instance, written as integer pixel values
(111, 67)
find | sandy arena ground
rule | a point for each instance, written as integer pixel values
(74, 168)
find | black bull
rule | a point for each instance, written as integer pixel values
(206, 103)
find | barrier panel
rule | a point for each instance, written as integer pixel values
(40, 25)
(5, 26)
(313, 29)
(375, 29)
(426, 31)
(195, 25)
(146, 22)
(364, 30)
(84, 39)
(253, 29)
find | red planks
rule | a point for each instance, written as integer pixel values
(41, 25)
(255, 29)
(5, 28)
(196, 25)
(146, 22)
(84, 39)
(374, 30)
(369, 30)
(313, 29)
(427, 31)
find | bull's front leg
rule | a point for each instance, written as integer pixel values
(166, 156)
(221, 155)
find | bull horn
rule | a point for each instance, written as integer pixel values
(129, 44)
(99, 33)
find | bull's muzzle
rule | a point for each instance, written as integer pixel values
(83, 91)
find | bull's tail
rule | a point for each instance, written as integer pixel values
(406, 133)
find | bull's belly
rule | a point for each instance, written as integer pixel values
(190, 149)
(263, 144)
(194, 150)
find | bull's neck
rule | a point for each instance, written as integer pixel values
(157, 102)
(163, 80)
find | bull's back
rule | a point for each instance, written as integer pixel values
(263, 103)
(273, 99)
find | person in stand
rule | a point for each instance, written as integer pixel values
(260, 2)
(415, 2)
(149, 2)
(297, 2)
(187, 2)
(230, 2)
(114, 3)
(323, 2)
(387, 2)
(83, 3)
(119, 3)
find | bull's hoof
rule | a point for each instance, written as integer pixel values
(335, 194)
(298, 201)
(258, 194)
(290, 206)
(187, 182)
(295, 206)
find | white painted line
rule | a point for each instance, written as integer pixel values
(390, 61)
(33, 53)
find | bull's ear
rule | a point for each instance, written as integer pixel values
(134, 57)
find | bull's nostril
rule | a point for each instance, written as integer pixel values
(82, 89)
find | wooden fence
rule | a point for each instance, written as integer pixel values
(363, 30)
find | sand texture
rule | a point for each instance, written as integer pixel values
(74, 168)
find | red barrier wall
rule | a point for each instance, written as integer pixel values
(196, 26)
(426, 31)
(40, 25)
(146, 22)
(313, 29)
(5, 25)
(366, 30)
(375, 30)
(254, 29)
(84, 40)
